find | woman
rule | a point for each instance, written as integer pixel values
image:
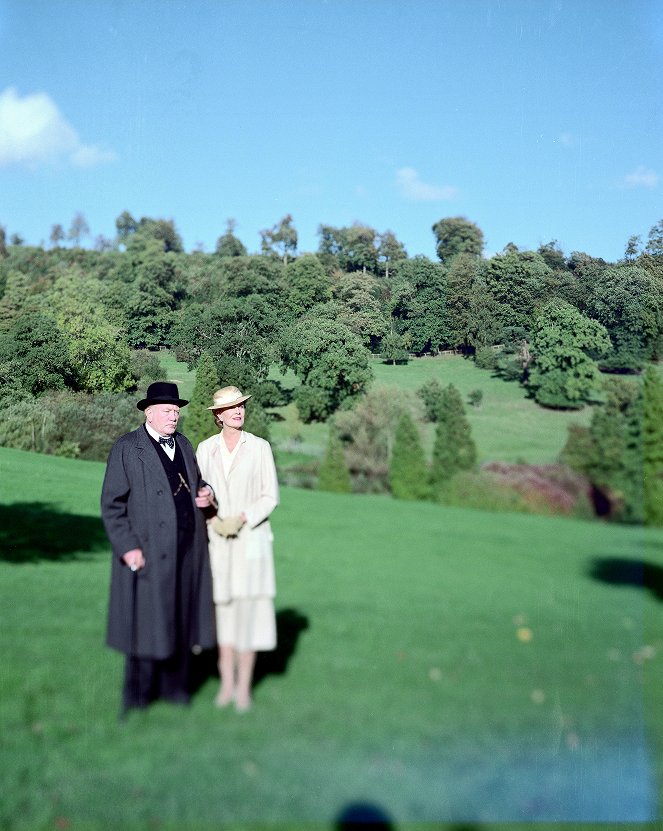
(240, 468)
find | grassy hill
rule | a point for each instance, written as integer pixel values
(507, 426)
(449, 669)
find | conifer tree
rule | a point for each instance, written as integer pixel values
(408, 472)
(653, 447)
(198, 423)
(454, 447)
(333, 475)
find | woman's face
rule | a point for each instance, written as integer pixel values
(231, 416)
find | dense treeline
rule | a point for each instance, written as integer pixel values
(87, 323)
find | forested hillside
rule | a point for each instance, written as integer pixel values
(82, 329)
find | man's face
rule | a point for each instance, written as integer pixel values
(163, 418)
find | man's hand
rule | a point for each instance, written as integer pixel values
(205, 497)
(227, 527)
(134, 559)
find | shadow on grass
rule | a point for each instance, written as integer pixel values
(619, 571)
(362, 815)
(33, 531)
(289, 626)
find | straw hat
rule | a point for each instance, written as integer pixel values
(227, 397)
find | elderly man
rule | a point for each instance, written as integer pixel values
(152, 502)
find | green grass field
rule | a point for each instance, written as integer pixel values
(506, 427)
(450, 668)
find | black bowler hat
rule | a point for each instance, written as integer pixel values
(162, 392)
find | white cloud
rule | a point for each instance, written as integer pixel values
(34, 132)
(641, 177)
(411, 187)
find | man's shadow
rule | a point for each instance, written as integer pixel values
(289, 626)
(619, 571)
(34, 531)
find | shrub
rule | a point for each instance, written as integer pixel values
(485, 357)
(367, 431)
(146, 367)
(475, 397)
(333, 474)
(431, 394)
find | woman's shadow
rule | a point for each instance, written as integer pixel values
(289, 626)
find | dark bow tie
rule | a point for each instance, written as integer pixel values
(170, 441)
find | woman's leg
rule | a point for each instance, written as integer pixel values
(244, 678)
(227, 665)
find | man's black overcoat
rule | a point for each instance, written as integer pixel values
(138, 511)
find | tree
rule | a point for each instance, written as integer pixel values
(280, 240)
(99, 358)
(393, 349)
(654, 245)
(329, 360)
(552, 255)
(653, 446)
(419, 291)
(57, 235)
(151, 299)
(517, 281)
(563, 372)
(454, 448)
(333, 475)
(126, 225)
(633, 247)
(350, 249)
(408, 471)
(198, 421)
(610, 451)
(359, 308)
(228, 245)
(457, 235)
(628, 301)
(306, 284)
(34, 355)
(79, 228)
(390, 251)
(3, 243)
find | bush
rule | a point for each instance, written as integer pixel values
(367, 432)
(521, 488)
(485, 358)
(475, 397)
(333, 473)
(431, 394)
(146, 368)
(69, 424)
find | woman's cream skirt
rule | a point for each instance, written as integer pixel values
(247, 624)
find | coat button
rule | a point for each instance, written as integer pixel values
(163, 556)
(159, 492)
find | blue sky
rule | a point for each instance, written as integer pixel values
(536, 119)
